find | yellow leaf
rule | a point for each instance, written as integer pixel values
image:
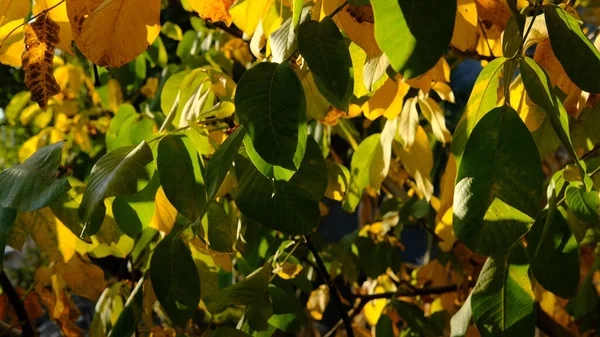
(213, 10)
(11, 10)
(545, 57)
(289, 270)
(237, 49)
(408, 122)
(444, 230)
(172, 31)
(28, 114)
(246, 14)
(373, 309)
(317, 302)
(387, 100)
(40, 39)
(531, 114)
(59, 15)
(51, 235)
(395, 107)
(164, 213)
(418, 162)
(114, 32)
(84, 278)
(70, 78)
(115, 95)
(45, 137)
(357, 22)
(434, 114)
(149, 89)
(337, 181)
(465, 28)
(317, 106)
(447, 188)
(12, 48)
(444, 91)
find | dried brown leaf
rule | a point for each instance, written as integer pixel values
(41, 38)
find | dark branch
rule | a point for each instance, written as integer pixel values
(231, 30)
(332, 289)
(17, 304)
(410, 293)
(470, 55)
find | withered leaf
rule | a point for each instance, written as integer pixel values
(41, 38)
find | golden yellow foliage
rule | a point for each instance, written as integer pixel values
(531, 114)
(12, 47)
(41, 38)
(59, 15)
(164, 213)
(373, 309)
(213, 10)
(418, 162)
(465, 27)
(113, 32)
(84, 278)
(317, 302)
(11, 10)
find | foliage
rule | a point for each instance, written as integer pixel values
(257, 166)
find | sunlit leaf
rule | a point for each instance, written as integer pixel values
(35, 183)
(116, 173)
(408, 22)
(490, 212)
(113, 33)
(271, 105)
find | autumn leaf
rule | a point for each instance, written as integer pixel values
(59, 15)
(213, 10)
(41, 38)
(113, 32)
(11, 10)
(84, 278)
(12, 45)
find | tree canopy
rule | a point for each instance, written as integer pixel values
(300, 168)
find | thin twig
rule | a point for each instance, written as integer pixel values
(364, 299)
(26, 22)
(335, 296)
(337, 10)
(231, 30)
(17, 304)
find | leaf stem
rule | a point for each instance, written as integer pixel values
(27, 21)
(332, 288)
(17, 304)
(337, 10)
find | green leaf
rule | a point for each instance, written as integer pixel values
(116, 173)
(134, 212)
(34, 184)
(128, 320)
(221, 161)
(288, 312)
(289, 206)
(127, 128)
(179, 170)
(265, 168)
(324, 49)
(242, 293)
(491, 212)
(259, 312)
(484, 97)
(416, 323)
(586, 299)
(228, 332)
(169, 95)
(554, 255)
(17, 103)
(513, 35)
(384, 327)
(577, 55)
(423, 29)
(368, 155)
(283, 40)
(222, 230)
(585, 205)
(279, 205)
(175, 279)
(539, 89)
(7, 219)
(270, 104)
(503, 302)
(374, 73)
(461, 320)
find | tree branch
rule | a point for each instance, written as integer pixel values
(332, 289)
(17, 304)
(231, 30)
(410, 293)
